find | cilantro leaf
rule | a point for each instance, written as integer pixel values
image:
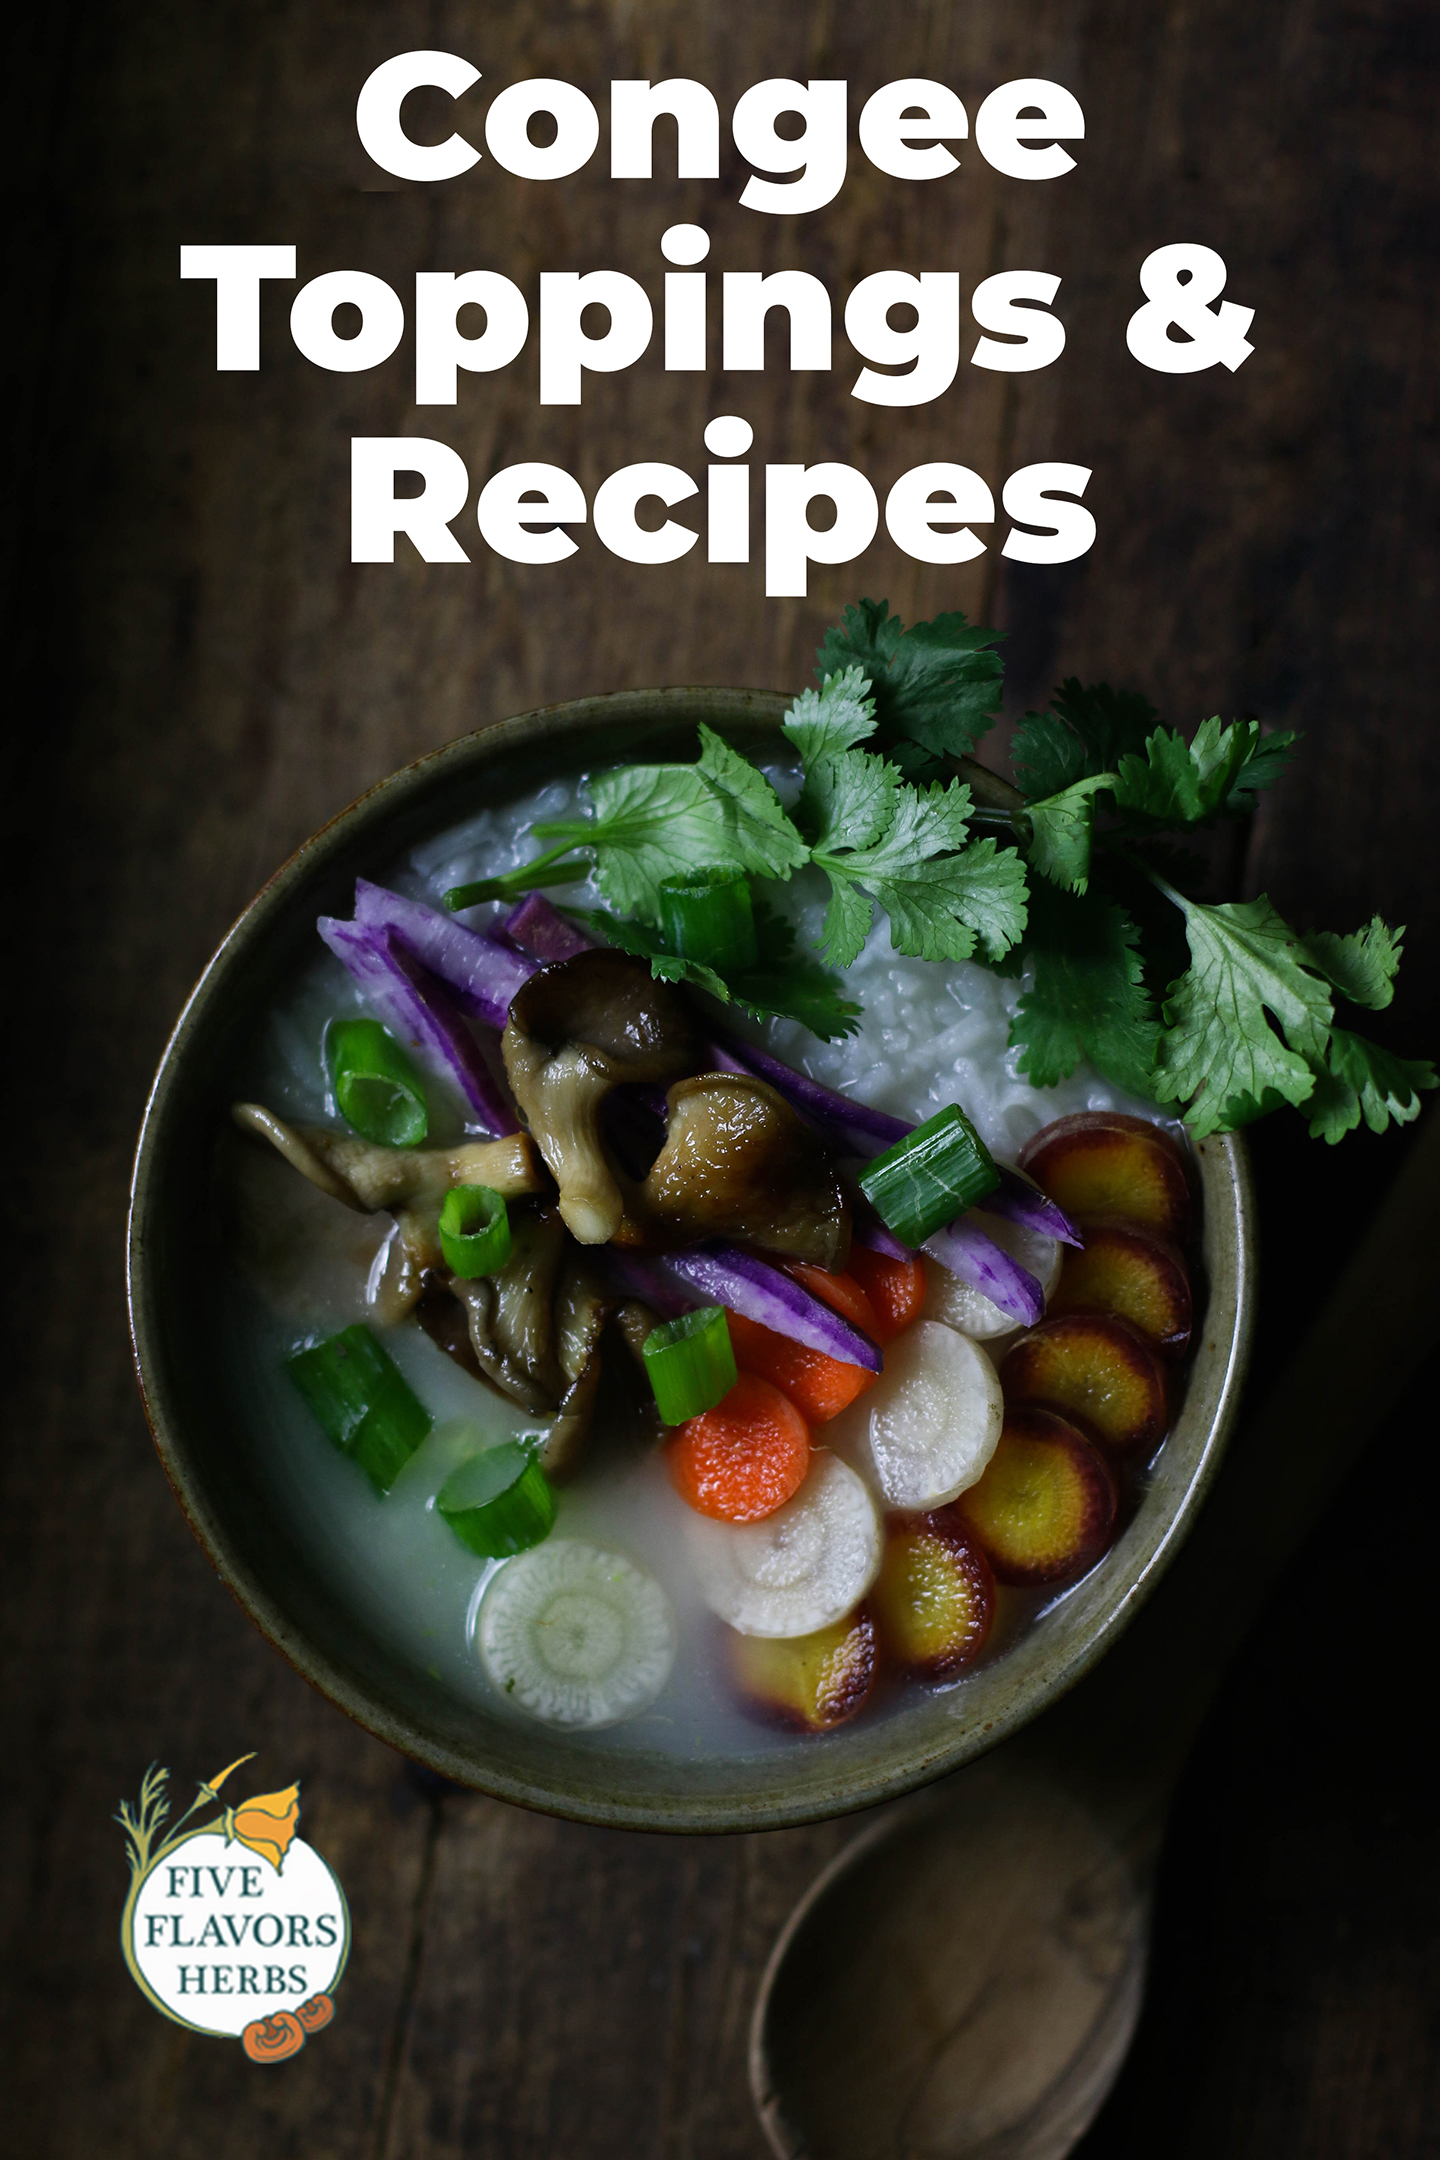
(1061, 827)
(1180, 783)
(1088, 728)
(941, 895)
(1220, 1049)
(837, 716)
(937, 684)
(1265, 762)
(1360, 1079)
(1362, 968)
(651, 822)
(761, 839)
(849, 800)
(847, 921)
(1087, 998)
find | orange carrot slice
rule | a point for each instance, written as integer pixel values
(895, 1288)
(743, 1459)
(842, 1293)
(820, 1387)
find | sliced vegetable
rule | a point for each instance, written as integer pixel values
(934, 1601)
(840, 1291)
(964, 1248)
(363, 1402)
(745, 1458)
(867, 1229)
(1021, 1202)
(377, 1089)
(1045, 1508)
(1097, 1368)
(418, 1008)
(925, 1180)
(895, 1289)
(575, 1635)
(542, 931)
(808, 1683)
(498, 1502)
(929, 1425)
(482, 974)
(802, 1568)
(723, 1275)
(710, 917)
(1105, 1163)
(690, 1363)
(856, 1129)
(475, 1230)
(1130, 1272)
(960, 1305)
(819, 1386)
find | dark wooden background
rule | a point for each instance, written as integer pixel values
(201, 678)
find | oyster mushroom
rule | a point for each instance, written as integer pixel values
(575, 1031)
(511, 1315)
(533, 1331)
(738, 1163)
(369, 1178)
(409, 1183)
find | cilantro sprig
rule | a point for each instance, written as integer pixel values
(1249, 1024)
(1220, 1009)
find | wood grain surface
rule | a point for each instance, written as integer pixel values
(204, 678)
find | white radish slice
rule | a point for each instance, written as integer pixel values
(575, 1635)
(949, 1299)
(928, 1427)
(802, 1568)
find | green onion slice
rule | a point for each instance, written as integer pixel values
(925, 1180)
(475, 1230)
(499, 1502)
(691, 1363)
(377, 1089)
(363, 1401)
(709, 917)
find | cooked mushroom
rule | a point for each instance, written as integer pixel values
(533, 1331)
(368, 1178)
(512, 1314)
(738, 1163)
(575, 1031)
(581, 1311)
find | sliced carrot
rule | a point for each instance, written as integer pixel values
(744, 1458)
(840, 1292)
(820, 1387)
(895, 1288)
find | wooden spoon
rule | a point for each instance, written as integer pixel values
(963, 1981)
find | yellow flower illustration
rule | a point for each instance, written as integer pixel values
(266, 1824)
(212, 1785)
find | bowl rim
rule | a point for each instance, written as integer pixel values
(1224, 1171)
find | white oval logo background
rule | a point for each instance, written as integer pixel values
(222, 1939)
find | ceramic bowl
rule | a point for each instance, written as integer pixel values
(211, 1461)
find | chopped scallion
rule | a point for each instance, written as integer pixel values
(710, 918)
(925, 1180)
(363, 1401)
(691, 1363)
(499, 1502)
(377, 1089)
(475, 1230)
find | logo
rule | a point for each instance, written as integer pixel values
(233, 1926)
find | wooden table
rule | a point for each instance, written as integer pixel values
(205, 678)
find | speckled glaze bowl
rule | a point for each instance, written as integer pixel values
(211, 1461)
